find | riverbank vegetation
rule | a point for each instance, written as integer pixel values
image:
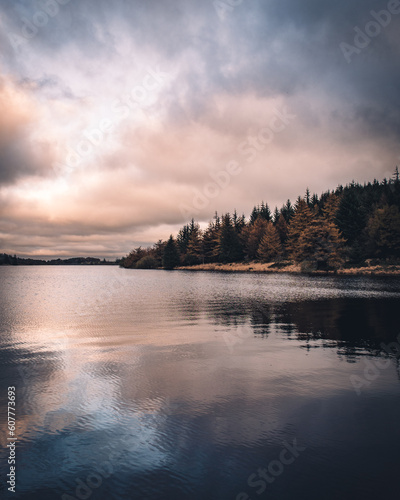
(352, 226)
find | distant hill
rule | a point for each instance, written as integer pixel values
(9, 260)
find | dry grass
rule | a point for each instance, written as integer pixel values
(382, 270)
(258, 267)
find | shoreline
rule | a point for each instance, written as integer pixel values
(272, 267)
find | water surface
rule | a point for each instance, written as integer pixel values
(180, 385)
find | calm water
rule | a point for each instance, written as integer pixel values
(178, 385)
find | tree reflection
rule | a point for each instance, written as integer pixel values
(352, 326)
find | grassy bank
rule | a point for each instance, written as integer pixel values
(258, 267)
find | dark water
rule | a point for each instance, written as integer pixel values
(179, 385)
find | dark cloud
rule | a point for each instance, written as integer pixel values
(13, 161)
(19, 155)
(227, 70)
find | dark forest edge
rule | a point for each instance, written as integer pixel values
(356, 226)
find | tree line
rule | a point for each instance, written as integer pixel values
(13, 260)
(346, 226)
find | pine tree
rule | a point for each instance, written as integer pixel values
(287, 211)
(282, 228)
(302, 218)
(171, 257)
(314, 200)
(183, 239)
(350, 217)
(270, 247)
(239, 223)
(320, 243)
(210, 241)
(158, 251)
(254, 235)
(276, 215)
(265, 212)
(194, 254)
(331, 207)
(254, 214)
(384, 231)
(229, 248)
(308, 197)
(396, 175)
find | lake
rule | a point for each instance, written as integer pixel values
(135, 384)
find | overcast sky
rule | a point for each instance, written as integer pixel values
(121, 120)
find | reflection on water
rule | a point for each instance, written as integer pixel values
(179, 385)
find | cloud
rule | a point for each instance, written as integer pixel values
(226, 78)
(22, 151)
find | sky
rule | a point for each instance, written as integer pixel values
(122, 120)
